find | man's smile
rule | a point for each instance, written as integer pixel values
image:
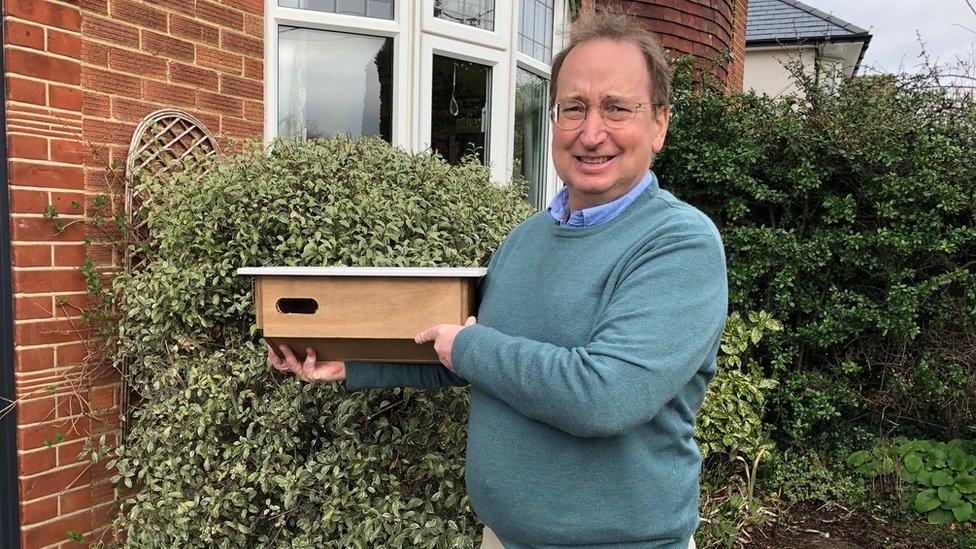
(595, 159)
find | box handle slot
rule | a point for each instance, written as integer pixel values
(297, 306)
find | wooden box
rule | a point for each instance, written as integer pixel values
(366, 314)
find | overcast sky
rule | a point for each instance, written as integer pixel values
(893, 24)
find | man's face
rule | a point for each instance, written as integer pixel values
(599, 163)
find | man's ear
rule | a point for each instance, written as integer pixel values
(662, 115)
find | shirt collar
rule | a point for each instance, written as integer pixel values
(595, 215)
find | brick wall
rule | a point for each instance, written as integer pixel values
(80, 74)
(740, 11)
(702, 28)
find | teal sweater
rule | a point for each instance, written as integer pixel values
(587, 366)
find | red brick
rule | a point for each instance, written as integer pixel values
(44, 175)
(40, 229)
(19, 33)
(53, 532)
(253, 68)
(28, 307)
(69, 254)
(220, 60)
(70, 306)
(38, 510)
(255, 7)
(221, 103)
(127, 109)
(45, 67)
(68, 151)
(27, 255)
(72, 405)
(219, 14)
(254, 110)
(68, 455)
(58, 280)
(180, 96)
(75, 500)
(26, 146)
(94, 53)
(41, 435)
(166, 46)
(103, 492)
(27, 201)
(241, 87)
(188, 74)
(184, 27)
(179, 6)
(35, 462)
(254, 25)
(45, 12)
(37, 410)
(72, 353)
(63, 43)
(140, 14)
(102, 131)
(26, 91)
(63, 97)
(137, 63)
(65, 202)
(96, 105)
(98, 6)
(209, 120)
(112, 82)
(232, 127)
(241, 43)
(102, 398)
(107, 30)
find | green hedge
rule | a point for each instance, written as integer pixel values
(850, 216)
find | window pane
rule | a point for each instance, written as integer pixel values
(382, 9)
(535, 29)
(531, 100)
(475, 13)
(333, 82)
(459, 112)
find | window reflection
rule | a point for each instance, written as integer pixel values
(459, 111)
(474, 13)
(535, 29)
(530, 133)
(332, 82)
(381, 9)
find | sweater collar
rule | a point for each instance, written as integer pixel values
(601, 213)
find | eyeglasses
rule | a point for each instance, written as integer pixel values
(617, 113)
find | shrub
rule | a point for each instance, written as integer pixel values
(850, 216)
(228, 452)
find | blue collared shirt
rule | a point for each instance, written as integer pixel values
(590, 217)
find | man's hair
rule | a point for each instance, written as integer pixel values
(608, 25)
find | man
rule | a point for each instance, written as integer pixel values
(598, 327)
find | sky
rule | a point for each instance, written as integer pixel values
(947, 27)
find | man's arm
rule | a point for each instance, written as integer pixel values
(376, 375)
(662, 324)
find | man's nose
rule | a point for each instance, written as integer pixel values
(593, 131)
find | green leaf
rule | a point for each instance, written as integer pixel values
(913, 463)
(963, 511)
(927, 500)
(939, 516)
(941, 478)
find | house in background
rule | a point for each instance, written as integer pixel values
(459, 76)
(782, 31)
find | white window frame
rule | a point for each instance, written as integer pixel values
(417, 37)
(500, 38)
(499, 100)
(397, 28)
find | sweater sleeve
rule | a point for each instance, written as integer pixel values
(662, 324)
(377, 375)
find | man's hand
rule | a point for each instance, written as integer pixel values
(443, 337)
(310, 371)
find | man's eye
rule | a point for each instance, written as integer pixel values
(613, 107)
(572, 108)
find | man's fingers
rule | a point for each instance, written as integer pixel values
(309, 357)
(471, 320)
(426, 335)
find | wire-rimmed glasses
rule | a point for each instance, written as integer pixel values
(616, 112)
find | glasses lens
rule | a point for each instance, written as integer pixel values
(618, 112)
(569, 114)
